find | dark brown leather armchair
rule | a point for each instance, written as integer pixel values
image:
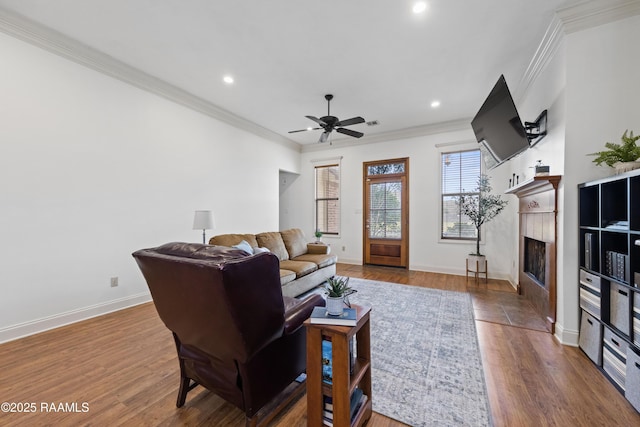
(235, 333)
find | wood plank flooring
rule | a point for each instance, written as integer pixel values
(123, 366)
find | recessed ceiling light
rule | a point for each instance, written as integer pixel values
(419, 7)
(435, 104)
(228, 79)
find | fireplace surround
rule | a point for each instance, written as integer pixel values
(535, 259)
(537, 210)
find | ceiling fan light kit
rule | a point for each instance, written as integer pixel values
(330, 123)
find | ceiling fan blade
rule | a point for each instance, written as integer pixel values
(350, 132)
(303, 130)
(324, 136)
(317, 120)
(351, 121)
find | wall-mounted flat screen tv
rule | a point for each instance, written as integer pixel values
(498, 127)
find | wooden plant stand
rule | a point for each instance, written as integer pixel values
(476, 272)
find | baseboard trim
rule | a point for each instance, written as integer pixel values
(458, 272)
(350, 261)
(32, 327)
(566, 337)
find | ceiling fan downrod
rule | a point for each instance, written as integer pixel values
(328, 97)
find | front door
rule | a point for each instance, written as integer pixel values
(386, 212)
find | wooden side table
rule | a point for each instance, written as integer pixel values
(344, 380)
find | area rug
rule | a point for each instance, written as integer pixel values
(426, 366)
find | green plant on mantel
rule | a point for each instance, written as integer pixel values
(481, 208)
(628, 151)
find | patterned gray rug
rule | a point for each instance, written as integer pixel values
(426, 366)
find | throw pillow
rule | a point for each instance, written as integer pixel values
(244, 246)
(258, 250)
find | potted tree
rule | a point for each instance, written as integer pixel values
(337, 289)
(623, 157)
(480, 209)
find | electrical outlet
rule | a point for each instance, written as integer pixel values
(344, 248)
(114, 282)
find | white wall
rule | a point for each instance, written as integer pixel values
(92, 169)
(426, 251)
(603, 93)
(287, 204)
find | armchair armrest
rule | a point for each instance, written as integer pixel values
(318, 249)
(297, 311)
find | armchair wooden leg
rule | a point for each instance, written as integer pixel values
(182, 392)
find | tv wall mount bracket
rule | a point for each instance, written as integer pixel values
(536, 130)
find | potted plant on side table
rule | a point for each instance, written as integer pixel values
(480, 209)
(337, 290)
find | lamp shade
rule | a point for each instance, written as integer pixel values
(203, 220)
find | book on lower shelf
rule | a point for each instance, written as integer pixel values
(327, 358)
(327, 361)
(320, 316)
(616, 265)
(358, 399)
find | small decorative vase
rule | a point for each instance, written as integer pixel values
(622, 167)
(335, 305)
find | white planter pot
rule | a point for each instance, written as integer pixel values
(622, 167)
(335, 305)
(477, 263)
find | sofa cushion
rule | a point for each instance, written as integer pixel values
(321, 260)
(318, 248)
(294, 241)
(287, 276)
(233, 239)
(301, 268)
(273, 242)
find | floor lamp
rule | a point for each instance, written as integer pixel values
(203, 220)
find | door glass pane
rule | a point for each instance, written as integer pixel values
(385, 210)
(386, 169)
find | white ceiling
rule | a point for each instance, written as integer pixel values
(378, 59)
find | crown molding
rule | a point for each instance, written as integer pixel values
(576, 17)
(412, 132)
(589, 14)
(544, 54)
(55, 42)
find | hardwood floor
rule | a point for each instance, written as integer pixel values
(123, 366)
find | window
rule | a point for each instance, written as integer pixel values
(460, 173)
(328, 199)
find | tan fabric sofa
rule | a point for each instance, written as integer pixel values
(303, 265)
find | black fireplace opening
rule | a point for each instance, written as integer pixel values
(535, 259)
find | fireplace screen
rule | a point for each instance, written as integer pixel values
(535, 259)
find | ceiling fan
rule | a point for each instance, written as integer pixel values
(329, 123)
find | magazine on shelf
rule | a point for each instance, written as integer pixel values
(327, 373)
(321, 317)
(327, 358)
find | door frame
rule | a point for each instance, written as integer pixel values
(404, 239)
